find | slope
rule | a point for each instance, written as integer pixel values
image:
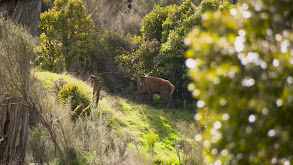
(162, 138)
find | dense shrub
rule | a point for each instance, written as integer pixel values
(50, 56)
(152, 22)
(146, 57)
(242, 72)
(115, 43)
(71, 93)
(16, 51)
(69, 42)
(172, 50)
(176, 17)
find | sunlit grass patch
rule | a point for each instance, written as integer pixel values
(48, 79)
(145, 122)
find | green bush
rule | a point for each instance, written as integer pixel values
(176, 17)
(147, 56)
(50, 55)
(73, 94)
(16, 52)
(209, 5)
(152, 22)
(69, 42)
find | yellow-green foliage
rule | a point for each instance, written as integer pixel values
(242, 70)
(151, 138)
(70, 41)
(73, 94)
(154, 131)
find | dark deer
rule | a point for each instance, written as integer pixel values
(97, 88)
(148, 85)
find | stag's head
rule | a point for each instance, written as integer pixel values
(141, 83)
(98, 82)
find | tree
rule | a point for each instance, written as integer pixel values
(242, 72)
(125, 16)
(69, 42)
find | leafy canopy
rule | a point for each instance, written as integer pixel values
(70, 41)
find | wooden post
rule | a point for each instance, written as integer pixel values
(97, 88)
(13, 131)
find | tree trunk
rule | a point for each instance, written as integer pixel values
(13, 131)
(25, 12)
(7, 7)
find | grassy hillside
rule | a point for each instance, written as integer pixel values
(154, 137)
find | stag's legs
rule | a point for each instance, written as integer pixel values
(169, 101)
(146, 98)
(166, 110)
(172, 105)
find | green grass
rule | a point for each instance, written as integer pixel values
(152, 129)
(48, 78)
(143, 120)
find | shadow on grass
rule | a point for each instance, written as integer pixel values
(165, 124)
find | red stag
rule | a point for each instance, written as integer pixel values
(148, 85)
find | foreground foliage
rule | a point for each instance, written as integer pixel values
(242, 72)
(16, 51)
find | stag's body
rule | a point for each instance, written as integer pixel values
(148, 85)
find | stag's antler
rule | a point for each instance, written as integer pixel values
(155, 66)
(134, 59)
